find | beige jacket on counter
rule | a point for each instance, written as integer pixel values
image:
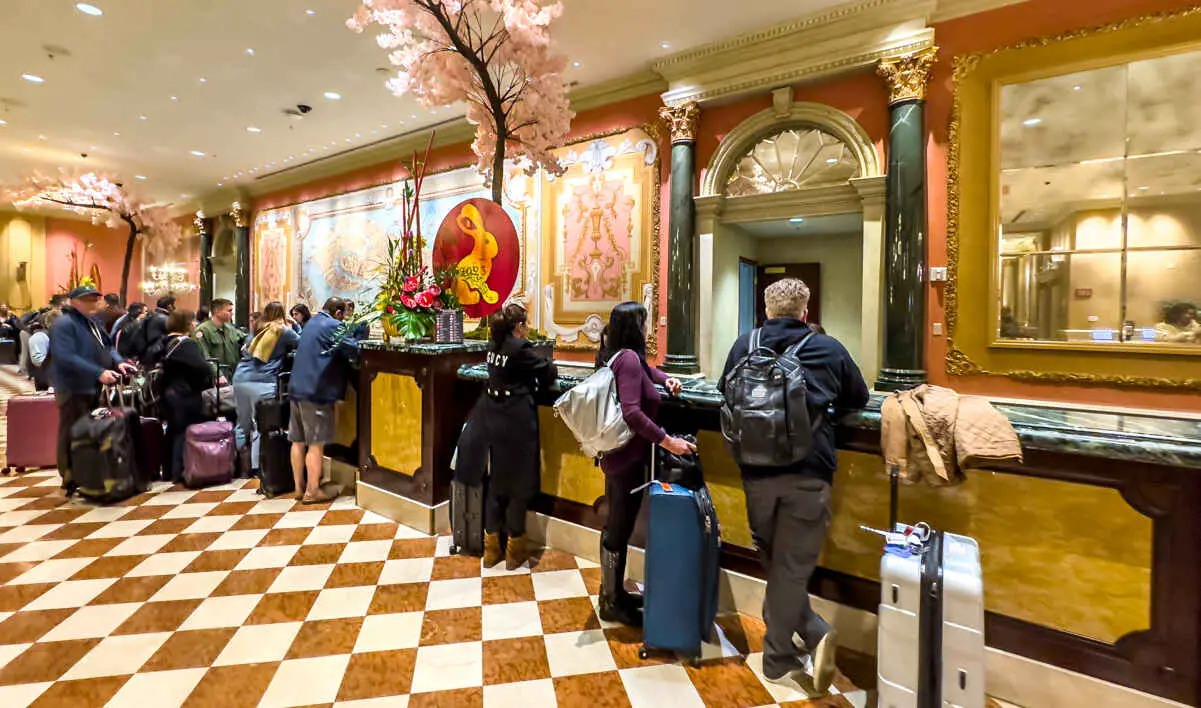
(932, 433)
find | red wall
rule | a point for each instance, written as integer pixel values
(107, 251)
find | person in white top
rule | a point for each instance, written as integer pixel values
(39, 351)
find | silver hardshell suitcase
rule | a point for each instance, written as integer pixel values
(930, 641)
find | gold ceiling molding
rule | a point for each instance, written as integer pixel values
(1145, 33)
(952, 9)
(907, 76)
(826, 43)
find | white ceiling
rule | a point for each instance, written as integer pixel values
(830, 225)
(134, 59)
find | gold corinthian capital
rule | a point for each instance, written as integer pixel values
(908, 75)
(239, 215)
(682, 121)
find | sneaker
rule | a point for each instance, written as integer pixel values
(776, 670)
(823, 662)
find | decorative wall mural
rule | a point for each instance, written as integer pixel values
(599, 234)
(274, 234)
(478, 239)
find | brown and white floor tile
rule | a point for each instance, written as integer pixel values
(220, 597)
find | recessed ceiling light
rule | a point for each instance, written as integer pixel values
(41, 137)
(1143, 188)
(93, 148)
(413, 116)
(175, 98)
(348, 140)
(87, 9)
(33, 78)
(253, 129)
(116, 134)
(203, 80)
(183, 196)
(576, 64)
(250, 52)
(665, 45)
(796, 221)
(325, 147)
(140, 178)
(333, 96)
(3, 122)
(831, 160)
(1076, 88)
(1031, 122)
(384, 126)
(357, 135)
(141, 117)
(310, 12)
(197, 153)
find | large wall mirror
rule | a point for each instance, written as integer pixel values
(1100, 205)
(1074, 207)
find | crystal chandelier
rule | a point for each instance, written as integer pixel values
(168, 279)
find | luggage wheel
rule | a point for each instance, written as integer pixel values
(643, 652)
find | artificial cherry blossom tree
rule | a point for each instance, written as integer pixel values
(105, 201)
(494, 55)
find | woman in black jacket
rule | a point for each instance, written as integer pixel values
(504, 429)
(185, 376)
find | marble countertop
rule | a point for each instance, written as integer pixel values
(1133, 437)
(399, 345)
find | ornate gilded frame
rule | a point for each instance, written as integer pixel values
(971, 161)
(654, 132)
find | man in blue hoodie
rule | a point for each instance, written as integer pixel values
(319, 376)
(82, 359)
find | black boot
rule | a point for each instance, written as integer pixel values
(611, 605)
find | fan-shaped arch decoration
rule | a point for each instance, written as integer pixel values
(791, 159)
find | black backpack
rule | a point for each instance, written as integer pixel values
(765, 419)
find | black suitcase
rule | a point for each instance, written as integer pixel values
(467, 498)
(104, 459)
(271, 417)
(467, 518)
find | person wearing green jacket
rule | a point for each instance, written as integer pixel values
(218, 338)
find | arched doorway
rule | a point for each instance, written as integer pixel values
(793, 191)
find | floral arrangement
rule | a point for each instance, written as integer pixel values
(410, 293)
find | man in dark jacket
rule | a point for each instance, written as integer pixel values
(111, 313)
(789, 507)
(319, 376)
(150, 345)
(82, 358)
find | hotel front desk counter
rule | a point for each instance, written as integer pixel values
(1091, 547)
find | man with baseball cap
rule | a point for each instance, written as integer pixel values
(82, 358)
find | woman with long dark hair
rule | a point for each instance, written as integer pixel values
(300, 315)
(503, 430)
(186, 375)
(623, 349)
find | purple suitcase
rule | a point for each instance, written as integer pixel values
(32, 432)
(210, 454)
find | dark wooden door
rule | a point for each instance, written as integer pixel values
(811, 273)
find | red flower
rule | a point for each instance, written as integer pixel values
(390, 310)
(412, 283)
(426, 299)
(434, 290)
(408, 301)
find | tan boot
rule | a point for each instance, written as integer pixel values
(518, 552)
(492, 554)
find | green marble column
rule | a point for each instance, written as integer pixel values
(681, 281)
(242, 267)
(905, 268)
(204, 230)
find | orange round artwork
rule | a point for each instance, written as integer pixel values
(479, 238)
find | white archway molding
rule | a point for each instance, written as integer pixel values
(782, 116)
(718, 214)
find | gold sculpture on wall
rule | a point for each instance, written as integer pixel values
(907, 76)
(682, 121)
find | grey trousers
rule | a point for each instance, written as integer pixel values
(789, 517)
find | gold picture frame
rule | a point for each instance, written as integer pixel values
(972, 203)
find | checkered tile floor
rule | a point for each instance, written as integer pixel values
(221, 598)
